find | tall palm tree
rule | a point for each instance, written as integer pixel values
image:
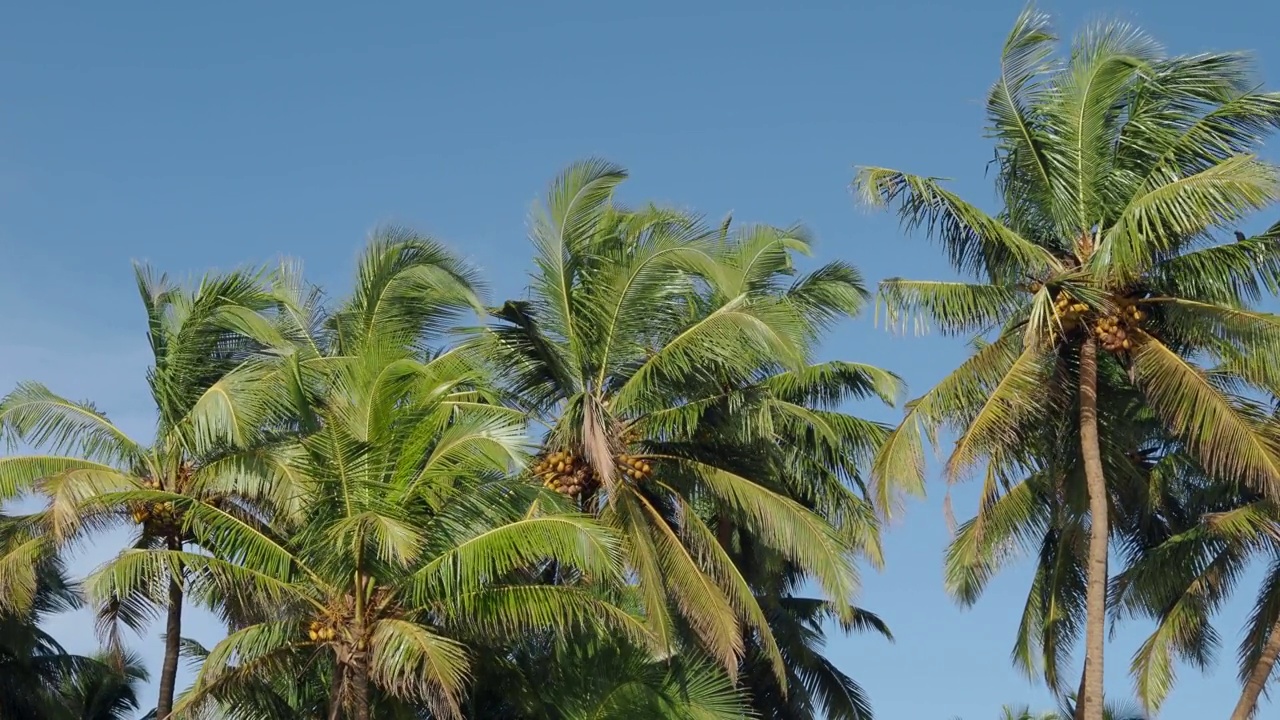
(1045, 514)
(1183, 581)
(1117, 167)
(94, 475)
(407, 533)
(663, 357)
(108, 689)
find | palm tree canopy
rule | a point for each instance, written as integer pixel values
(672, 365)
(1119, 170)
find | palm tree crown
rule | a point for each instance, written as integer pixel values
(670, 363)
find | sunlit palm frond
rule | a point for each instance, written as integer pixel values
(974, 241)
(412, 662)
(954, 307)
(36, 416)
(787, 527)
(1225, 438)
(1228, 274)
(900, 464)
(559, 232)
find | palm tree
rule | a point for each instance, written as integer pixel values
(665, 359)
(33, 666)
(1184, 579)
(1045, 514)
(1116, 168)
(1024, 712)
(106, 690)
(94, 475)
(1109, 712)
(408, 533)
(40, 678)
(297, 686)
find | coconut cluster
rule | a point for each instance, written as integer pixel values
(322, 629)
(159, 518)
(569, 474)
(1116, 332)
(565, 473)
(634, 467)
(1068, 309)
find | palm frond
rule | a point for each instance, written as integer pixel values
(1225, 438)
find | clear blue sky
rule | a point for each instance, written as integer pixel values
(209, 135)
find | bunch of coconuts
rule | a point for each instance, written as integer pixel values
(1067, 309)
(1115, 332)
(570, 475)
(634, 467)
(158, 516)
(320, 630)
(565, 473)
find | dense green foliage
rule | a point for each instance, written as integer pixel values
(636, 492)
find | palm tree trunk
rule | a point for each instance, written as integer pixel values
(172, 644)
(360, 658)
(335, 693)
(1096, 599)
(1078, 709)
(360, 681)
(724, 530)
(1253, 686)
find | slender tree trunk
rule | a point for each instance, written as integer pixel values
(1258, 677)
(335, 693)
(172, 644)
(724, 531)
(1096, 599)
(360, 658)
(360, 686)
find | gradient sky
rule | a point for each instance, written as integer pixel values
(198, 136)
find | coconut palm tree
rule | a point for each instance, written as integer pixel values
(33, 666)
(108, 689)
(665, 359)
(1117, 168)
(208, 428)
(297, 686)
(411, 533)
(1109, 712)
(406, 533)
(1044, 514)
(1182, 581)
(1024, 712)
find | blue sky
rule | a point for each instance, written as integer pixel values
(200, 136)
